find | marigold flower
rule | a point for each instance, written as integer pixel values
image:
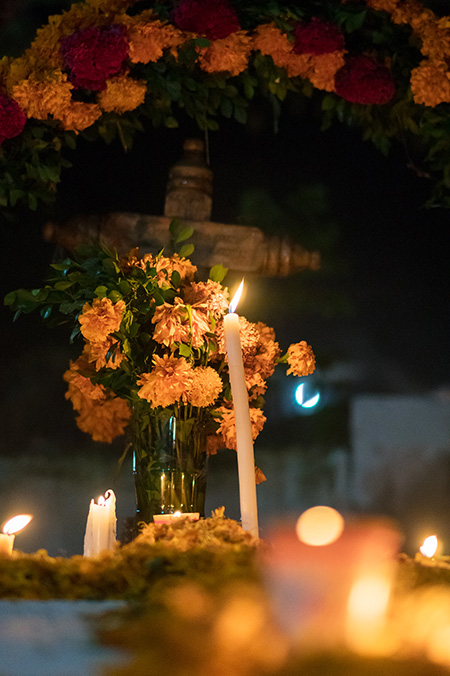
(12, 118)
(227, 424)
(149, 39)
(100, 319)
(172, 324)
(205, 386)
(301, 359)
(259, 475)
(317, 37)
(81, 386)
(215, 19)
(167, 382)
(229, 54)
(430, 84)
(363, 80)
(104, 420)
(271, 41)
(165, 266)
(209, 295)
(78, 115)
(97, 352)
(320, 69)
(41, 98)
(122, 94)
(94, 54)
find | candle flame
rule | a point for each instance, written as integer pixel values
(101, 500)
(429, 546)
(236, 298)
(177, 513)
(17, 523)
(319, 526)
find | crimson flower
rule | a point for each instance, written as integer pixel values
(364, 80)
(214, 19)
(12, 118)
(94, 54)
(317, 37)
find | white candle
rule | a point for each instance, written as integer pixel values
(245, 454)
(10, 528)
(101, 525)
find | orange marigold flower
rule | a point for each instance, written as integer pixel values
(271, 41)
(165, 266)
(227, 426)
(79, 115)
(40, 98)
(97, 352)
(172, 324)
(383, 5)
(148, 39)
(259, 476)
(81, 386)
(167, 382)
(205, 386)
(301, 359)
(208, 295)
(100, 319)
(213, 443)
(122, 93)
(105, 420)
(430, 84)
(228, 54)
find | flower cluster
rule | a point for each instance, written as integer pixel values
(152, 333)
(95, 46)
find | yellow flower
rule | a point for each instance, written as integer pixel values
(149, 39)
(78, 115)
(100, 319)
(167, 382)
(122, 94)
(228, 54)
(205, 386)
(80, 386)
(208, 295)
(96, 353)
(271, 41)
(40, 98)
(104, 420)
(301, 359)
(227, 426)
(430, 83)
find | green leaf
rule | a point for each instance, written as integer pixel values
(63, 285)
(175, 278)
(115, 296)
(10, 298)
(184, 234)
(184, 350)
(101, 291)
(218, 273)
(186, 250)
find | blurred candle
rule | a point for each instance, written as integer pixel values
(427, 554)
(317, 572)
(10, 528)
(244, 438)
(100, 532)
(167, 518)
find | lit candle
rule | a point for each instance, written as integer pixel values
(167, 518)
(427, 554)
(244, 438)
(101, 525)
(10, 528)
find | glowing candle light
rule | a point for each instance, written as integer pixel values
(427, 554)
(100, 532)
(167, 518)
(244, 438)
(429, 546)
(10, 528)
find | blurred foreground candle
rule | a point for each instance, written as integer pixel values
(101, 525)
(244, 438)
(427, 554)
(167, 518)
(10, 528)
(318, 573)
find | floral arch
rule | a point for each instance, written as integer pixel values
(108, 68)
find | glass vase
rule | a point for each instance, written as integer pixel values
(169, 463)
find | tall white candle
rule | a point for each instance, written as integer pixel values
(245, 454)
(101, 525)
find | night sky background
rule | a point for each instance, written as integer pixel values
(380, 305)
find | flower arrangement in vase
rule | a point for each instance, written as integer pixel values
(154, 363)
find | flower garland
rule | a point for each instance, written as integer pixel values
(103, 60)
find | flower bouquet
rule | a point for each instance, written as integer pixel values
(154, 364)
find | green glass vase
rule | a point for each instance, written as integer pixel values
(169, 463)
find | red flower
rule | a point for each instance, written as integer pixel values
(317, 37)
(93, 54)
(214, 19)
(12, 118)
(363, 80)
